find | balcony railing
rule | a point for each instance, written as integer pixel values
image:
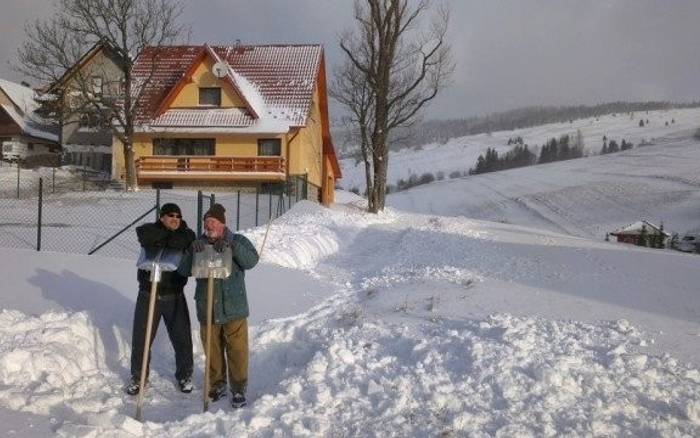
(209, 168)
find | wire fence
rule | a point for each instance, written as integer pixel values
(19, 182)
(99, 221)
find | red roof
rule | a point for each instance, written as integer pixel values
(284, 76)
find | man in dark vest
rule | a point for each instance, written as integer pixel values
(169, 232)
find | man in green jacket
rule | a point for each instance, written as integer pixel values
(229, 337)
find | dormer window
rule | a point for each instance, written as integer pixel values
(210, 96)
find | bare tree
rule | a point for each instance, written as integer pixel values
(53, 48)
(395, 65)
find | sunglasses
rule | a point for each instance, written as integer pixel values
(175, 215)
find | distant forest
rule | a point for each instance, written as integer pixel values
(440, 131)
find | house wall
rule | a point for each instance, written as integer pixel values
(97, 65)
(188, 97)
(306, 148)
(8, 127)
(89, 146)
(328, 191)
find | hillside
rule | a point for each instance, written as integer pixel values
(586, 197)
(460, 154)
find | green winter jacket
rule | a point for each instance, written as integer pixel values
(230, 299)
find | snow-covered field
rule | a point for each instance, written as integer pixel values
(397, 324)
(587, 197)
(460, 154)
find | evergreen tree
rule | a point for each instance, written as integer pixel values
(613, 147)
(641, 123)
(564, 151)
(549, 151)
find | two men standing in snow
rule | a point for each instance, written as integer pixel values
(169, 232)
(229, 342)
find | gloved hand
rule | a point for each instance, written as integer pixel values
(197, 246)
(221, 245)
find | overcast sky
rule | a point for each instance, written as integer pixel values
(509, 53)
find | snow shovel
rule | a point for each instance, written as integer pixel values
(164, 260)
(210, 264)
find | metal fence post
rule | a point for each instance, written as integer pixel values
(199, 213)
(53, 180)
(306, 186)
(157, 204)
(269, 211)
(84, 177)
(38, 223)
(257, 203)
(289, 194)
(212, 200)
(296, 189)
(238, 211)
(17, 179)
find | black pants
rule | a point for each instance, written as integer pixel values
(173, 309)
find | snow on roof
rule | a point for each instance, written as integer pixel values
(23, 111)
(636, 228)
(23, 97)
(213, 121)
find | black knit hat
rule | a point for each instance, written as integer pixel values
(169, 208)
(217, 212)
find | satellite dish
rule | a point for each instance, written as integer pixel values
(220, 69)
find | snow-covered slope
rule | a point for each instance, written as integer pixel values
(587, 197)
(460, 154)
(402, 325)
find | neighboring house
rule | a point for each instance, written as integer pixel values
(633, 233)
(25, 136)
(86, 136)
(238, 116)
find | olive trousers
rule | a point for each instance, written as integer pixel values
(229, 346)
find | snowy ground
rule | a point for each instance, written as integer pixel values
(391, 325)
(460, 154)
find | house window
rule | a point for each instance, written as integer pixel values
(269, 147)
(93, 120)
(183, 146)
(30, 146)
(210, 96)
(96, 84)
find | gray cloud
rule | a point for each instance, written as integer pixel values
(509, 53)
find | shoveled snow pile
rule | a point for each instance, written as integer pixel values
(433, 326)
(358, 376)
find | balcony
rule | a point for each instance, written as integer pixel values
(204, 168)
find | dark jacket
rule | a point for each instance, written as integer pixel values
(155, 236)
(230, 296)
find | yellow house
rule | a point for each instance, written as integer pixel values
(232, 117)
